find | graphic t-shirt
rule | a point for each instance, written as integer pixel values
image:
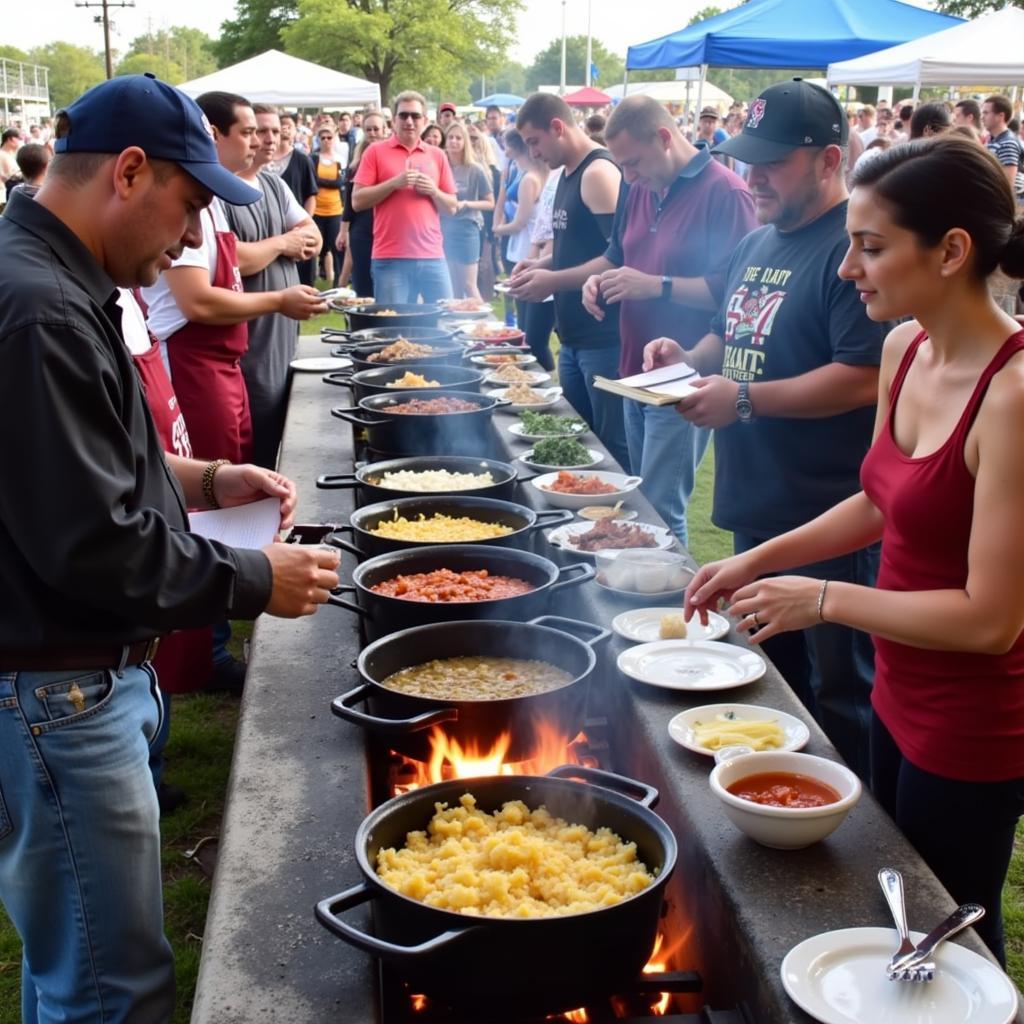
(786, 312)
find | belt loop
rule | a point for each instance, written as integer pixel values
(125, 651)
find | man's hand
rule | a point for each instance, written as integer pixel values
(300, 302)
(662, 352)
(299, 243)
(627, 283)
(303, 578)
(714, 404)
(533, 285)
(425, 185)
(521, 267)
(406, 179)
(592, 296)
(240, 485)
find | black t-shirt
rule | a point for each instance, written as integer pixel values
(298, 174)
(579, 236)
(786, 312)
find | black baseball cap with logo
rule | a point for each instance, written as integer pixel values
(785, 117)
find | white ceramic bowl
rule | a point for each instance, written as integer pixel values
(623, 484)
(785, 828)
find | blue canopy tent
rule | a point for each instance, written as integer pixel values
(500, 99)
(788, 34)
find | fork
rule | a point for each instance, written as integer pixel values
(913, 962)
(891, 882)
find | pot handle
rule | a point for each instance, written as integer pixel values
(336, 481)
(350, 416)
(311, 533)
(340, 602)
(327, 914)
(549, 517)
(335, 541)
(646, 796)
(573, 575)
(588, 632)
(340, 378)
(343, 707)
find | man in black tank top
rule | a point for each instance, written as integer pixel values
(582, 217)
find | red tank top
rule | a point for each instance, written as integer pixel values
(955, 714)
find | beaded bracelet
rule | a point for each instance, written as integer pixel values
(208, 474)
(821, 600)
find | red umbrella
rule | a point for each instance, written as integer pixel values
(588, 97)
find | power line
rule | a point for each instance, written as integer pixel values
(104, 19)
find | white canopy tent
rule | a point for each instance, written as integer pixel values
(679, 91)
(984, 51)
(275, 77)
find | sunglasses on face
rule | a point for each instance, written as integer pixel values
(408, 115)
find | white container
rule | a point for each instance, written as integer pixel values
(785, 828)
(644, 570)
(623, 485)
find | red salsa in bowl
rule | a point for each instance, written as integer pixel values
(784, 789)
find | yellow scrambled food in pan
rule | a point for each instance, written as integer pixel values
(438, 528)
(512, 863)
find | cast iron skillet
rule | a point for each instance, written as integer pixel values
(409, 314)
(375, 382)
(507, 964)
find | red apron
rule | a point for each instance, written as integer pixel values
(183, 660)
(206, 369)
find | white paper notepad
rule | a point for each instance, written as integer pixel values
(244, 526)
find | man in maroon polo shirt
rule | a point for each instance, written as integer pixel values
(406, 182)
(664, 269)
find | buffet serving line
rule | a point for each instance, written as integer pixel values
(304, 781)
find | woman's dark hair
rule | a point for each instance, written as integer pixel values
(933, 117)
(514, 141)
(934, 185)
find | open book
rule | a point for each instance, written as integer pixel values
(662, 386)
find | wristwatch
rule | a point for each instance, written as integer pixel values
(666, 286)
(744, 410)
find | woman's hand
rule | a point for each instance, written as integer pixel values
(240, 485)
(717, 581)
(776, 604)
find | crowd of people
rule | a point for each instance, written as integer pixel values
(828, 272)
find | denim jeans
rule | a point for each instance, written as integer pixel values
(831, 668)
(603, 411)
(407, 280)
(80, 845)
(665, 450)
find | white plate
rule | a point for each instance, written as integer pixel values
(596, 458)
(522, 359)
(681, 727)
(468, 314)
(518, 430)
(502, 286)
(642, 625)
(691, 665)
(839, 978)
(549, 397)
(320, 364)
(560, 538)
(537, 377)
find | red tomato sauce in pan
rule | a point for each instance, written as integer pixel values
(446, 585)
(784, 789)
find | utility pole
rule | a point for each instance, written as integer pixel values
(561, 87)
(104, 19)
(590, 46)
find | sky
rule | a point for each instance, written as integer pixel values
(36, 22)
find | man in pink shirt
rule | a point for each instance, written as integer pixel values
(406, 183)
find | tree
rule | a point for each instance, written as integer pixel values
(434, 46)
(72, 70)
(508, 77)
(703, 14)
(13, 53)
(176, 54)
(546, 68)
(972, 8)
(255, 28)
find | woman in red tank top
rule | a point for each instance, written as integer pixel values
(943, 488)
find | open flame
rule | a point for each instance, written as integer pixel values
(419, 1003)
(658, 964)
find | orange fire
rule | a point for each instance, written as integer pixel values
(576, 1016)
(450, 760)
(419, 1002)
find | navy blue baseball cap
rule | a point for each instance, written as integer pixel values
(140, 110)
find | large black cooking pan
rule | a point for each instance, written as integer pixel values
(387, 335)
(366, 478)
(404, 718)
(445, 352)
(457, 433)
(407, 314)
(521, 520)
(507, 964)
(382, 614)
(375, 382)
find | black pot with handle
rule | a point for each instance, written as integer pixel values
(382, 614)
(371, 486)
(405, 719)
(522, 521)
(391, 314)
(513, 966)
(380, 380)
(388, 335)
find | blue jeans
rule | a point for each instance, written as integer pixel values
(831, 668)
(603, 411)
(80, 845)
(665, 450)
(407, 280)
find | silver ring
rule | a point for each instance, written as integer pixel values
(757, 624)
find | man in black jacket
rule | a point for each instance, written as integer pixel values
(96, 561)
